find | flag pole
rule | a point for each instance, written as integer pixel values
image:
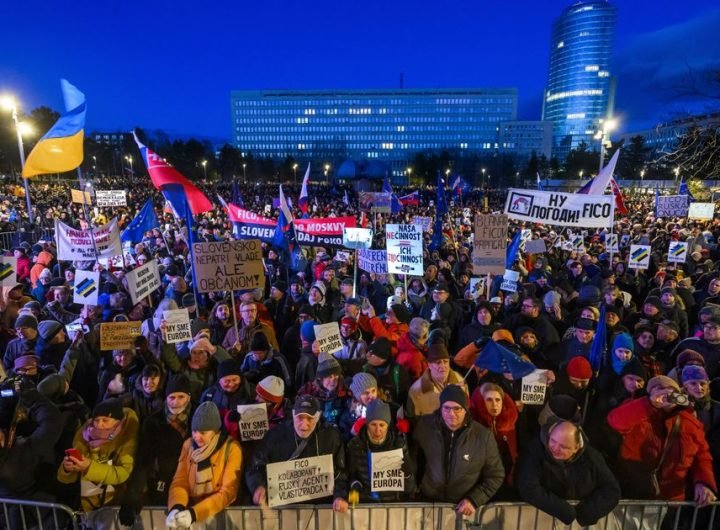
(190, 241)
(87, 215)
(355, 269)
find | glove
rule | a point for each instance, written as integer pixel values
(184, 519)
(233, 416)
(170, 520)
(127, 514)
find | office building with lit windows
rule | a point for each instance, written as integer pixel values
(385, 125)
(580, 88)
(520, 139)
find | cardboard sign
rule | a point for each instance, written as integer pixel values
(87, 287)
(639, 257)
(677, 252)
(535, 246)
(611, 243)
(672, 206)
(228, 266)
(300, 480)
(177, 325)
(357, 237)
(562, 209)
(78, 245)
(105, 198)
(489, 244)
(372, 261)
(253, 421)
(386, 471)
(404, 249)
(510, 279)
(81, 197)
(328, 336)
(701, 210)
(533, 388)
(425, 221)
(8, 271)
(143, 281)
(119, 335)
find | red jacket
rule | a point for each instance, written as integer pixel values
(644, 429)
(392, 332)
(23, 268)
(410, 357)
(502, 427)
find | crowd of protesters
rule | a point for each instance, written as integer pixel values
(157, 424)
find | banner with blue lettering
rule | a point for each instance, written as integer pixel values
(562, 209)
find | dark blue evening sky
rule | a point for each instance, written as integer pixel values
(171, 65)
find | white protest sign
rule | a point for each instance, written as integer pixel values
(556, 208)
(253, 421)
(328, 337)
(639, 257)
(535, 246)
(300, 480)
(489, 244)
(105, 198)
(87, 287)
(77, 245)
(357, 237)
(672, 206)
(143, 280)
(177, 325)
(404, 249)
(424, 221)
(611, 243)
(510, 279)
(372, 260)
(229, 265)
(533, 388)
(477, 286)
(8, 271)
(578, 243)
(386, 470)
(677, 252)
(342, 256)
(701, 210)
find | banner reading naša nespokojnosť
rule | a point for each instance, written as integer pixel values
(557, 208)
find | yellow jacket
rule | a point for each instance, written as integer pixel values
(226, 464)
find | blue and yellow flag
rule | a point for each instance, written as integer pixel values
(61, 149)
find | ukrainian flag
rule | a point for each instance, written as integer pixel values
(61, 149)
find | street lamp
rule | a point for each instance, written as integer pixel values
(9, 103)
(581, 173)
(606, 127)
(642, 176)
(94, 163)
(327, 173)
(204, 165)
(408, 170)
(482, 182)
(129, 160)
(295, 166)
(244, 174)
(677, 173)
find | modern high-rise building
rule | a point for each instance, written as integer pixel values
(580, 88)
(385, 125)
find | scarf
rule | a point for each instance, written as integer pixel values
(203, 470)
(178, 420)
(95, 437)
(618, 364)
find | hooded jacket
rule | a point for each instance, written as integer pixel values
(410, 356)
(41, 263)
(502, 427)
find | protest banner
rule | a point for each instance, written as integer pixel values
(228, 265)
(372, 261)
(533, 388)
(253, 421)
(404, 249)
(357, 238)
(143, 281)
(77, 245)
(323, 232)
(386, 470)
(535, 246)
(87, 287)
(249, 225)
(578, 243)
(105, 198)
(509, 282)
(489, 244)
(672, 206)
(425, 221)
(701, 210)
(80, 197)
(375, 202)
(563, 209)
(677, 252)
(300, 480)
(639, 257)
(177, 325)
(328, 337)
(611, 243)
(119, 335)
(8, 271)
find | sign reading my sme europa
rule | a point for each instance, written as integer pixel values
(563, 209)
(228, 265)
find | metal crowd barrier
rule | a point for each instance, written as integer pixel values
(12, 239)
(17, 514)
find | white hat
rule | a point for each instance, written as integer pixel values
(393, 300)
(272, 389)
(320, 286)
(496, 300)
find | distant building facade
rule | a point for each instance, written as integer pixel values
(520, 139)
(665, 136)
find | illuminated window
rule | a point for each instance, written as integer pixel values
(603, 73)
(576, 116)
(592, 68)
(561, 44)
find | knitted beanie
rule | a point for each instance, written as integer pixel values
(259, 342)
(624, 341)
(694, 373)
(206, 417)
(271, 389)
(579, 368)
(26, 320)
(328, 367)
(48, 329)
(307, 330)
(361, 382)
(378, 410)
(178, 383)
(454, 393)
(110, 408)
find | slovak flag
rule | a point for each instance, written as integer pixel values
(619, 201)
(412, 199)
(363, 220)
(457, 185)
(303, 200)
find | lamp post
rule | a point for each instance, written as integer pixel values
(606, 127)
(9, 103)
(677, 173)
(327, 174)
(244, 174)
(94, 164)
(130, 161)
(295, 166)
(409, 174)
(204, 165)
(642, 177)
(482, 182)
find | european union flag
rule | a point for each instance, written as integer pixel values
(684, 190)
(501, 360)
(144, 221)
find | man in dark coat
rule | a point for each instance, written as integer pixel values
(559, 466)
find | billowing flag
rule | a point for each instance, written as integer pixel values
(143, 222)
(172, 184)
(395, 205)
(539, 183)
(598, 184)
(619, 202)
(684, 190)
(345, 199)
(236, 195)
(597, 350)
(441, 204)
(412, 199)
(61, 148)
(285, 238)
(499, 359)
(303, 200)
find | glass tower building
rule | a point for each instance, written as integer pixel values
(580, 89)
(384, 125)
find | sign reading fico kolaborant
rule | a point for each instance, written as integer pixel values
(228, 265)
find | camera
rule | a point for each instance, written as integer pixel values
(679, 399)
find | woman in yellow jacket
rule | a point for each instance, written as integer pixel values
(208, 474)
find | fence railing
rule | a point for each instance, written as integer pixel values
(17, 514)
(13, 239)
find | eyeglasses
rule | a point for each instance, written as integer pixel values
(453, 410)
(527, 306)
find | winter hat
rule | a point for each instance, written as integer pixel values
(351, 322)
(188, 300)
(654, 301)
(689, 356)
(662, 381)
(552, 298)
(378, 410)
(45, 274)
(280, 286)
(437, 352)
(669, 324)
(624, 341)
(307, 331)
(401, 313)
(110, 408)
(579, 368)
(206, 417)
(306, 405)
(354, 301)
(306, 309)
(33, 305)
(694, 373)
(48, 329)
(52, 387)
(228, 367)
(561, 407)
(178, 383)
(259, 342)
(519, 332)
(271, 389)
(26, 361)
(454, 393)
(362, 381)
(381, 348)
(328, 367)
(589, 295)
(202, 344)
(418, 327)
(634, 367)
(320, 286)
(25, 320)
(585, 323)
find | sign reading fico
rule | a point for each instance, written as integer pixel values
(228, 265)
